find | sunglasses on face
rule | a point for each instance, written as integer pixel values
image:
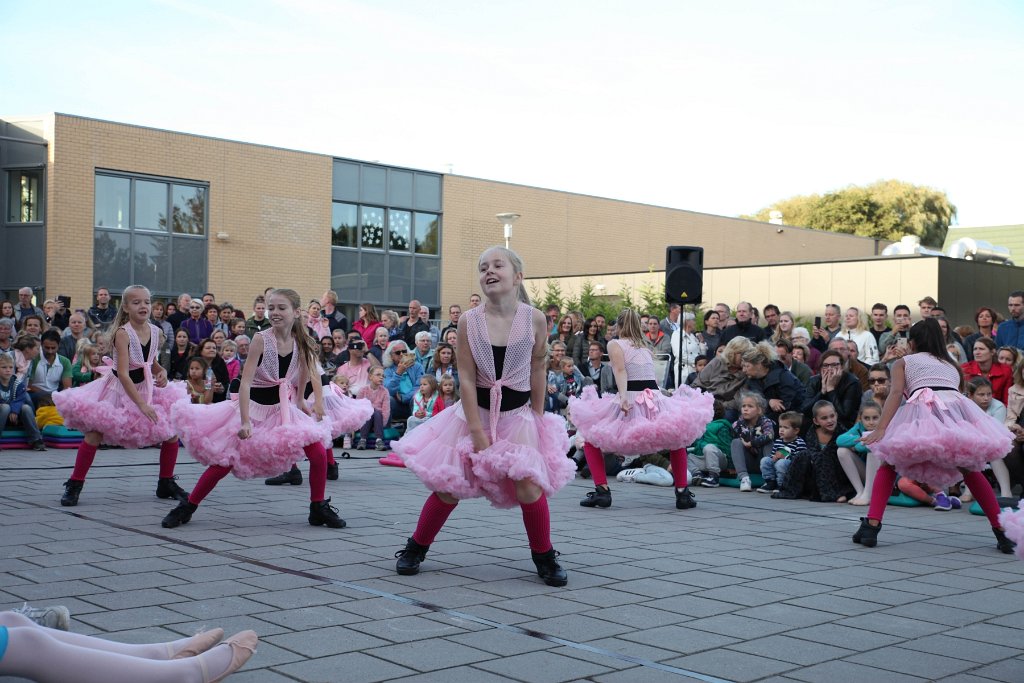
(876, 380)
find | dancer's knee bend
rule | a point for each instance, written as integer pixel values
(528, 492)
(446, 498)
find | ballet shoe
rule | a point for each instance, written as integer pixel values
(199, 643)
(243, 646)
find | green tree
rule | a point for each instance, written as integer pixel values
(887, 209)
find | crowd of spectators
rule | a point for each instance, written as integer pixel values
(771, 377)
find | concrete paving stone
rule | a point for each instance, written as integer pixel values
(406, 629)
(352, 667)
(782, 613)
(747, 595)
(18, 548)
(349, 572)
(501, 642)
(259, 675)
(213, 589)
(197, 560)
(893, 624)
(542, 667)
(65, 559)
(430, 655)
(137, 617)
(539, 606)
(966, 677)
(602, 597)
(929, 612)
(962, 648)
(692, 606)
(459, 674)
(61, 573)
(920, 588)
(459, 620)
(53, 591)
(637, 616)
(217, 608)
(988, 633)
(789, 586)
(606, 659)
(912, 662)
(794, 650)
(380, 608)
(1006, 671)
(842, 670)
(169, 551)
(679, 639)
(639, 673)
(125, 599)
(878, 595)
(1013, 620)
(845, 637)
(211, 573)
(305, 618)
(618, 572)
(230, 625)
(853, 576)
(991, 601)
(325, 641)
(647, 651)
(144, 564)
(735, 626)
(835, 604)
(732, 665)
(296, 597)
(453, 597)
(576, 627)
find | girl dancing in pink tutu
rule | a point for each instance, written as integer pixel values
(938, 436)
(259, 434)
(130, 405)
(497, 442)
(639, 419)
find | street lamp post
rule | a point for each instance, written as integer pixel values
(507, 219)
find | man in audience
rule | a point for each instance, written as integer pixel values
(357, 366)
(411, 325)
(1011, 330)
(474, 300)
(744, 327)
(435, 334)
(336, 320)
(25, 306)
(49, 372)
(821, 337)
(424, 352)
(597, 372)
(102, 314)
(259, 321)
(671, 323)
(879, 323)
(724, 313)
(454, 311)
(602, 327)
(925, 306)
(75, 332)
(850, 362)
(209, 299)
(242, 348)
(553, 313)
(784, 347)
(226, 315)
(178, 317)
(771, 319)
(900, 331)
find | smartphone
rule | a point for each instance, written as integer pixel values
(901, 342)
(817, 321)
(65, 301)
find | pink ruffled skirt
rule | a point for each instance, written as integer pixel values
(655, 423)
(103, 406)
(344, 413)
(936, 433)
(529, 446)
(1013, 522)
(210, 433)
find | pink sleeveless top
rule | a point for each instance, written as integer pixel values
(515, 373)
(137, 361)
(639, 361)
(924, 370)
(268, 372)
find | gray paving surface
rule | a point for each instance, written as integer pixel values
(742, 588)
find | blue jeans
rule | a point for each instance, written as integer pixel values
(26, 421)
(776, 471)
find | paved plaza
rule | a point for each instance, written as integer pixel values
(742, 588)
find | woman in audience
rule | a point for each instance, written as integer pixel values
(317, 324)
(712, 334)
(654, 336)
(159, 318)
(767, 376)
(556, 352)
(1010, 355)
(985, 365)
(6, 309)
(389, 319)
(784, 330)
(367, 324)
(723, 376)
(947, 334)
(197, 325)
(856, 330)
(985, 319)
(581, 343)
(181, 351)
(34, 325)
(563, 332)
(451, 337)
(836, 385)
(802, 336)
(443, 363)
(207, 350)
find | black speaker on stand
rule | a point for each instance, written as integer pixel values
(684, 284)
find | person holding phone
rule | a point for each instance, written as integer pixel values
(893, 344)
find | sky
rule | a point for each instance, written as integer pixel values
(719, 107)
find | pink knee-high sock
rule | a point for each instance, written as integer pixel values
(330, 457)
(880, 491)
(678, 460)
(434, 514)
(83, 461)
(168, 457)
(317, 470)
(985, 496)
(595, 461)
(537, 520)
(209, 479)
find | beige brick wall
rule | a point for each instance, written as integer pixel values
(274, 204)
(563, 234)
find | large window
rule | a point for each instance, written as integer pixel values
(386, 233)
(150, 231)
(24, 195)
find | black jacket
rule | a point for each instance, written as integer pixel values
(779, 383)
(846, 398)
(747, 329)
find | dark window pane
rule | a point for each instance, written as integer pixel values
(111, 264)
(428, 278)
(150, 205)
(428, 192)
(344, 225)
(112, 202)
(399, 188)
(345, 275)
(189, 269)
(374, 190)
(374, 283)
(189, 211)
(426, 233)
(152, 262)
(346, 181)
(23, 198)
(399, 229)
(372, 223)
(400, 278)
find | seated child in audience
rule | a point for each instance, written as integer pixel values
(378, 395)
(698, 365)
(927, 494)
(15, 410)
(851, 452)
(88, 359)
(568, 381)
(752, 434)
(200, 388)
(237, 327)
(229, 354)
(789, 443)
(449, 392)
(979, 390)
(707, 455)
(343, 383)
(425, 403)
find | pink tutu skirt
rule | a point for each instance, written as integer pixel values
(936, 433)
(655, 423)
(344, 413)
(440, 452)
(103, 406)
(210, 433)
(1013, 522)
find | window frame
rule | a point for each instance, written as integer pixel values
(41, 204)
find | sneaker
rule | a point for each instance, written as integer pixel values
(39, 445)
(628, 476)
(696, 479)
(379, 446)
(361, 446)
(346, 442)
(942, 502)
(56, 617)
(745, 485)
(710, 480)
(769, 486)
(955, 502)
